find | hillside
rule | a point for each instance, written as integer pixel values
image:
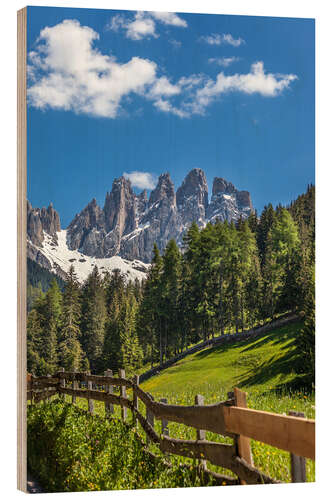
(262, 367)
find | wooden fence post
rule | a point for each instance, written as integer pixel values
(62, 383)
(136, 379)
(165, 428)
(297, 464)
(243, 444)
(201, 434)
(123, 394)
(149, 417)
(75, 386)
(109, 390)
(48, 397)
(90, 401)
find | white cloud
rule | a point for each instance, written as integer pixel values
(143, 24)
(225, 38)
(257, 81)
(76, 76)
(67, 72)
(163, 87)
(167, 107)
(136, 28)
(169, 18)
(223, 61)
(141, 180)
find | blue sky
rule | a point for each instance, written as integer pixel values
(119, 91)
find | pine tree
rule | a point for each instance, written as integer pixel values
(93, 318)
(34, 337)
(150, 315)
(306, 339)
(282, 242)
(170, 284)
(70, 351)
(131, 352)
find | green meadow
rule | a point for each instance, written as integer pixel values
(263, 367)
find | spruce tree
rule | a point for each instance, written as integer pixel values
(70, 351)
(93, 318)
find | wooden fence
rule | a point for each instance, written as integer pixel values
(231, 418)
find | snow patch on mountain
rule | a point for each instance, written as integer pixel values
(59, 255)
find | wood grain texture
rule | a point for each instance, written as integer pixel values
(216, 453)
(21, 249)
(296, 435)
(243, 443)
(297, 464)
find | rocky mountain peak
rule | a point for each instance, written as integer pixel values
(164, 190)
(220, 185)
(192, 200)
(39, 220)
(129, 224)
(194, 184)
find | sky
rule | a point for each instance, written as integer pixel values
(114, 93)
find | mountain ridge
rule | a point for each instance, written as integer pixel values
(129, 224)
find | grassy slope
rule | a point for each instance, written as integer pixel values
(263, 367)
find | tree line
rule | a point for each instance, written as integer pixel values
(226, 277)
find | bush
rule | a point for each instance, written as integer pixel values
(70, 450)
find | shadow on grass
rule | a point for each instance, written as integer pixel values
(284, 365)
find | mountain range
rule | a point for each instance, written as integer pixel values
(122, 233)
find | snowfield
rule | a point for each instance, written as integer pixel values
(59, 254)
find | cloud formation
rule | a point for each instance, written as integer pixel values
(141, 180)
(225, 38)
(67, 72)
(223, 61)
(254, 82)
(143, 24)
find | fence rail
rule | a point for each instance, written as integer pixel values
(228, 418)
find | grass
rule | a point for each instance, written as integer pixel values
(263, 367)
(69, 450)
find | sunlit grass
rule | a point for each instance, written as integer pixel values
(262, 367)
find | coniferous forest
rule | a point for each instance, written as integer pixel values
(225, 278)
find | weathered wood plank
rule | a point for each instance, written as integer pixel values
(96, 379)
(292, 434)
(216, 453)
(109, 390)
(97, 396)
(75, 386)
(149, 416)
(248, 473)
(209, 417)
(42, 395)
(201, 434)
(135, 397)
(47, 382)
(123, 393)
(165, 428)
(90, 400)
(243, 443)
(297, 463)
(150, 432)
(62, 383)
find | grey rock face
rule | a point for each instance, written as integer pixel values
(192, 200)
(39, 220)
(128, 225)
(157, 224)
(227, 202)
